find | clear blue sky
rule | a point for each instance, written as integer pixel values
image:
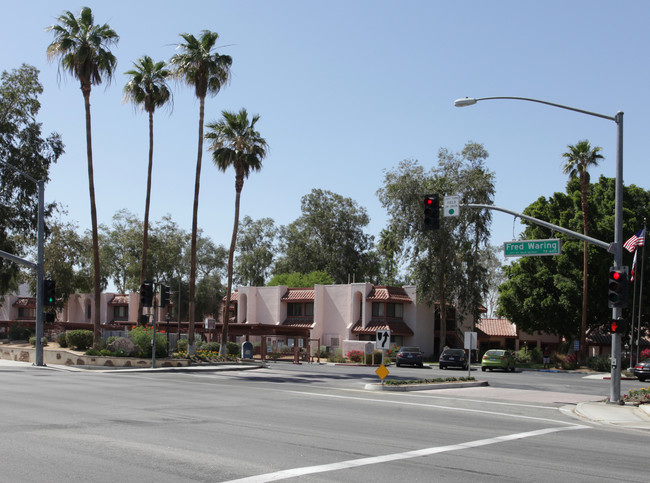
(346, 90)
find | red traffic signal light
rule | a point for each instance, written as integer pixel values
(618, 287)
(146, 294)
(431, 212)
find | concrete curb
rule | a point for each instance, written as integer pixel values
(423, 387)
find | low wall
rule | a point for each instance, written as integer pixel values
(64, 357)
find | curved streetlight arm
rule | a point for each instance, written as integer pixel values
(468, 101)
(610, 247)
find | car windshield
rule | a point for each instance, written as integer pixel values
(454, 352)
(494, 353)
(410, 349)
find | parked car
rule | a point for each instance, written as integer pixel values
(453, 358)
(409, 355)
(642, 370)
(498, 359)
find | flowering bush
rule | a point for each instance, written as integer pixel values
(645, 354)
(568, 361)
(355, 356)
(637, 396)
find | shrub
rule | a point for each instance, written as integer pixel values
(18, 331)
(567, 362)
(374, 358)
(79, 339)
(232, 349)
(211, 347)
(61, 340)
(645, 354)
(355, 356)
(32, 341)
(182, 345)
(599, 363)
(336, 356)
(142, 337)
(93, 352)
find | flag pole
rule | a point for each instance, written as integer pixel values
(638, 319)
(632, 363)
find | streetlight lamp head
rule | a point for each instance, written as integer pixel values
(467, 101)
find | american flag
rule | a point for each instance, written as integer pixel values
(635, 241)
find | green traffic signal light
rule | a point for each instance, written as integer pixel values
(49, 293)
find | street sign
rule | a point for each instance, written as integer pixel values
(532, 248)
(383, 339)
(451, 205)
(470, 340)
(382, 372)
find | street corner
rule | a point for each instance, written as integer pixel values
(626, 415)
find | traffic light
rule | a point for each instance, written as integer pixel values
(146, 294)
(618, 326)
(618, 285)
(164, 295)
(431, 212)
(49, 293)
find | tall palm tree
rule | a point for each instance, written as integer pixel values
(236, 143)
(83, 51)
(579, 159)
(207, 71)
(147, 87)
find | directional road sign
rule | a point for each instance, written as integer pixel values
(383, 339)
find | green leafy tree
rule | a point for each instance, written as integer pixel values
(255, 251)
(22, 147)
(296, 279)
(540, 292)
(82, 48)
(207, 71)
(446, 264)
(147, 87)
(235, 143)
(329, 237)
(121, 250)
(579, 158)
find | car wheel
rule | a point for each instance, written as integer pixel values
(483, 369)
(442, 367)
(641, 378)
(421, 365)
(397, 364)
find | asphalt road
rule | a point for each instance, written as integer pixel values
(303, 423)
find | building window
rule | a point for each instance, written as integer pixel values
(26, 313)
(294, 310)
(88, 311)
(381, 309)
(121, 313)
(378, 309)
(395, 310)
(309, 309)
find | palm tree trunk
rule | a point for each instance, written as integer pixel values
(145, 233)
(223, 348)
(85, 89)
(195, 214)
(585, 273)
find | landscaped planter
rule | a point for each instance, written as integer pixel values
(423, 387)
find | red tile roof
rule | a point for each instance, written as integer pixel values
(299, 322)
(397, 327)
(120, 299)
(388, 294)
(26, 302)
(497, 327)
(298, 295)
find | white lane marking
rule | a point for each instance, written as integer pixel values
(436, 406)
(309, 470)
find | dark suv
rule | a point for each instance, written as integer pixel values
(409, 355)
(453, 358)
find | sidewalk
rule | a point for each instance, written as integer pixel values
(626, 416)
